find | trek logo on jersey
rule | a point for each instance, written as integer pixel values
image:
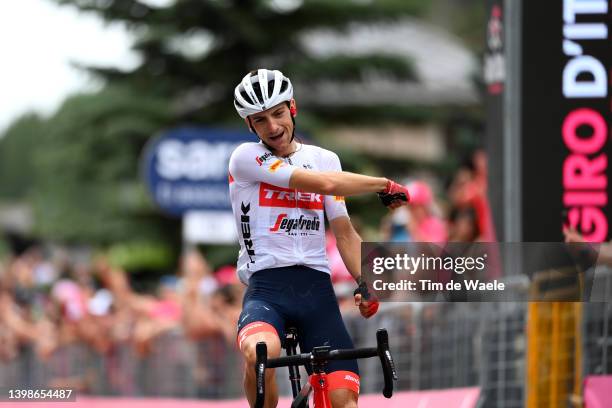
(261, 159)
(245, 227)
(273, 196)
(296, 224)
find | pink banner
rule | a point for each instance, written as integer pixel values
(597, 392)
(452, 398)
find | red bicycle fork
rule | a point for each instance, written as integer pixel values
(320, 388)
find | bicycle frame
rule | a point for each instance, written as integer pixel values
(320, 386)
(317, 360)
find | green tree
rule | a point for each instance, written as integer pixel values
(17, 150)
(193, 51)
(87, 186)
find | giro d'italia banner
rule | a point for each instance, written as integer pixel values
(566, 113)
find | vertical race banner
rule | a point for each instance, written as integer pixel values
(494, 69)
(566, 112)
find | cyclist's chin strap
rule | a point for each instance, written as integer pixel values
(293, 113)
(293, 132)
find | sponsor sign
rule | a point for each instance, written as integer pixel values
(214, 227)
(185, 169)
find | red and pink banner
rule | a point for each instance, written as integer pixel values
(597, 392)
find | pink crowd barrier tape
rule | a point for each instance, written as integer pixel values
(597, 392)
(451, 398)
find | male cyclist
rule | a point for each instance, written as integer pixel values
(280, 190)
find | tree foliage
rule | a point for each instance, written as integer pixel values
(194, 51)
(87, 184)
(16, 156)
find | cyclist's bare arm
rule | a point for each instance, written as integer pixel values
(348, 242)
(340, 183)
(349, 246)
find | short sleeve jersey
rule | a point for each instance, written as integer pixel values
(279, 226)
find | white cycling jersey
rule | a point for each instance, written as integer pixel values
(278, 226)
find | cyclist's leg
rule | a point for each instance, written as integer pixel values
(343, 378)
(342, 375)
(259, 321)
(322, 324)
(341, 396)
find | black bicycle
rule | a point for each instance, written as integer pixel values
(316, 362)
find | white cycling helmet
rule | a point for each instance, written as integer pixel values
(251, 97)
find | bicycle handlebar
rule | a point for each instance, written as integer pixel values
(381, 350)
(388, 366)
(308, 358)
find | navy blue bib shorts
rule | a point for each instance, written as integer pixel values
(301, 297)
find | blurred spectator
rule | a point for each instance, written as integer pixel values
(69, 296)
(8, 339)
(226, 275)
(100, 303)
(423, 224)
(168, 306)
(199, 284)
(156, 315)
(393, 227)
(44, 273)
(604, 256)
(197, 274)
(463, 225)
(226, 305)
(14, 329)
(469, 189)
(20, 280)
(51, 310)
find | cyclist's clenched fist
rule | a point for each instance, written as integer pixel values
(366, 300)
(394, 195)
